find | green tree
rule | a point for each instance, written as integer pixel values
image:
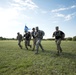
(69, 38)
(74, 38)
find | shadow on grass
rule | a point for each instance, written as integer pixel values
(69, 55)
(48, 53)
(51, 53)
(29, 49)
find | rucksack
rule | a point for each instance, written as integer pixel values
(60, 34)
(63, 36)
(42, 33)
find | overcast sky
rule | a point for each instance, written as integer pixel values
(46, 14)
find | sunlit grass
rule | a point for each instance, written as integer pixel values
(16, 61)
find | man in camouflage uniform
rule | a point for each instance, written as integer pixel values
(34, 38)
(39, 37)
(59, 35)
(27, 36)
(19, 38)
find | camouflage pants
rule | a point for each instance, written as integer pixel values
(58, 42)
(19, 43)
(27, 43)
(34, 43)
(38, 43)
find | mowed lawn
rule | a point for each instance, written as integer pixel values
(16, 61)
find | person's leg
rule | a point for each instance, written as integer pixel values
(28, 41)
(37, 45)
(34, 43)
(26, 44)
(58, 46)
(41, 46)
(19, 43)
(60, 49)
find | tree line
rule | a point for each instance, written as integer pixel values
(3, 38)
(71, 38)
(68, 38)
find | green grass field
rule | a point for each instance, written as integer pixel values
(16, 61)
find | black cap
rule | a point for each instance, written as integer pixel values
(33, 28)
(18, 33)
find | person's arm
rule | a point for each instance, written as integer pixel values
(24, 36)
(30, 36)
(53, 34)
(17, 37)
(36, 34)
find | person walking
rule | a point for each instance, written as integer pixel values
(27, 36)
(19, 38)
(59, 35)
(39, 36)
(34, 38)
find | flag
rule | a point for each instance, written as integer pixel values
(26, 29)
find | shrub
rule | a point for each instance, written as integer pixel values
(69, 38)
(74, 38)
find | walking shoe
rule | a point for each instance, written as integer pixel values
(27, 48)
(21, 47)
(61, 51)
(43, 50)
(30, 46)
(58, 54)
(32, 49)
(36, 53)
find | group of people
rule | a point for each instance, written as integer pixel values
(37, 38)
